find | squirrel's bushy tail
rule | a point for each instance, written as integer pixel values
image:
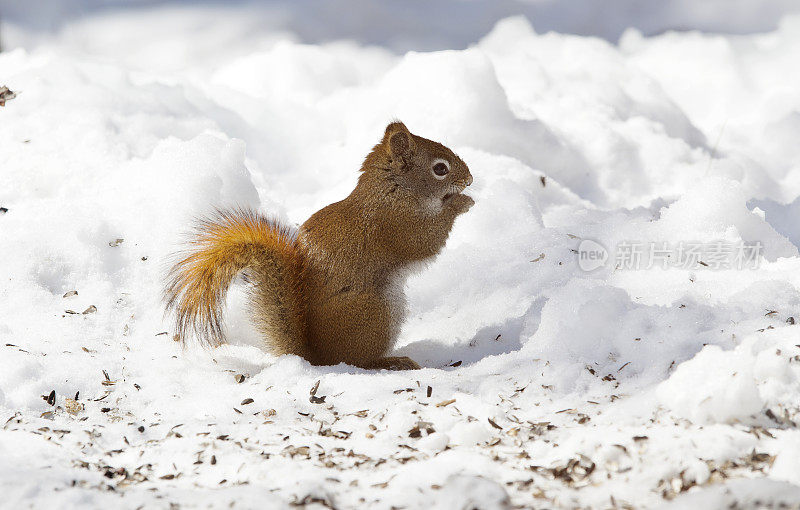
(224, 245)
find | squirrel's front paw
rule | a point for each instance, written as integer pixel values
(461, 203)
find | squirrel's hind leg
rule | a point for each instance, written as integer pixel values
(394, 363)
(355, 328)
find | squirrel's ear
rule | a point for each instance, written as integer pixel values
(398, 139)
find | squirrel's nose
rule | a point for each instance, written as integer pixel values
(469, 179)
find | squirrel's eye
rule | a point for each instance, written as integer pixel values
(440, 168)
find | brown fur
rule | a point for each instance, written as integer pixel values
(335, 292)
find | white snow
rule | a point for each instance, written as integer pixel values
(620, 387)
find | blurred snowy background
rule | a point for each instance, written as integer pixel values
(419, 24)
(545, 385)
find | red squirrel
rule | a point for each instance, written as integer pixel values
(331, 292)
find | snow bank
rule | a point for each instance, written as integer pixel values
(545, 381)
(762, 372)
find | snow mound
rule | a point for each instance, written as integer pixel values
(738, 385)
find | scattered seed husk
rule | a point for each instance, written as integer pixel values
(106, 394)
(89, 310)
(70, 293)
(297, 450)
(72, 406)
(314, 399)
(6, 95)
(421, 427)
(247, 401)
(445, 402)
(116, 242)
(761, 431)
(574, 470)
